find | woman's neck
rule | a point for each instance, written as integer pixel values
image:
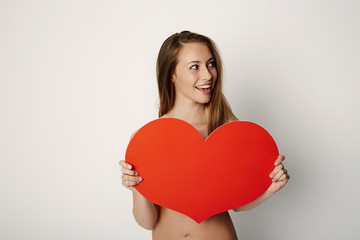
(191, 112)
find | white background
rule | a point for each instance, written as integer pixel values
(78, 78)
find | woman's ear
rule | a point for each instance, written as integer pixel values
(173, 78)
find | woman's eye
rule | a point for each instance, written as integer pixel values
(212, 64)
(194, 67)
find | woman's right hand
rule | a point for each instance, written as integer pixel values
(129, 177)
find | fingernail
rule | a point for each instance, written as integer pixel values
(136, 173)
(270, 175)
(129, 166)
(140, 179)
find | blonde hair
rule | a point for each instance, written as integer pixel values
(219, 109)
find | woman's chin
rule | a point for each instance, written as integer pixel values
(204, 101)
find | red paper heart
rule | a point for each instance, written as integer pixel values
(200, 178)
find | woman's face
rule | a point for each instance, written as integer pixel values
(195, 73)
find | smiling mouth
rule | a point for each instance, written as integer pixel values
(204, 87)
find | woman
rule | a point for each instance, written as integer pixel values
(189, 75)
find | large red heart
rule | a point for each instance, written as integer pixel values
(200, 178)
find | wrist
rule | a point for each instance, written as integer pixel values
(268, 193)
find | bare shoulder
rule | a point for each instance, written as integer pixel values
(164, 116)
(232, 120)
(134, 134)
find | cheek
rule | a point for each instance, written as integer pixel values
(190, 79)
(214, 74)
(186, 82)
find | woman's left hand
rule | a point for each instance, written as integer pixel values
(279, 176)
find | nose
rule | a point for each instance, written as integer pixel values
(205, 74)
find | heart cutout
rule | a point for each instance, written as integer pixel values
(200, 178)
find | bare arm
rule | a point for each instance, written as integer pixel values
(144, 211)
(254, 203)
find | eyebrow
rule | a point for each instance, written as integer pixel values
(212, 58)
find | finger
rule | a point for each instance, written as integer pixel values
(276, 170)
(283, 177)
(123, 164)
(129, 172)
(279, 160)
(131, 178)
(129, 183)
(279, 174)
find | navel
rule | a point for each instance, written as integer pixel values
(187, 235)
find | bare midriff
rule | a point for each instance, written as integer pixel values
(174, 225)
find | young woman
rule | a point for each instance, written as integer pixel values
(189, 75)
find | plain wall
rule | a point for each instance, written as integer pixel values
(78, 78)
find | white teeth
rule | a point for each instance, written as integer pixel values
(204, 86)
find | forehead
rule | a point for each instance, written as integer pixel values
(194, 51)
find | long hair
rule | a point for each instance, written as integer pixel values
(219, 109)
